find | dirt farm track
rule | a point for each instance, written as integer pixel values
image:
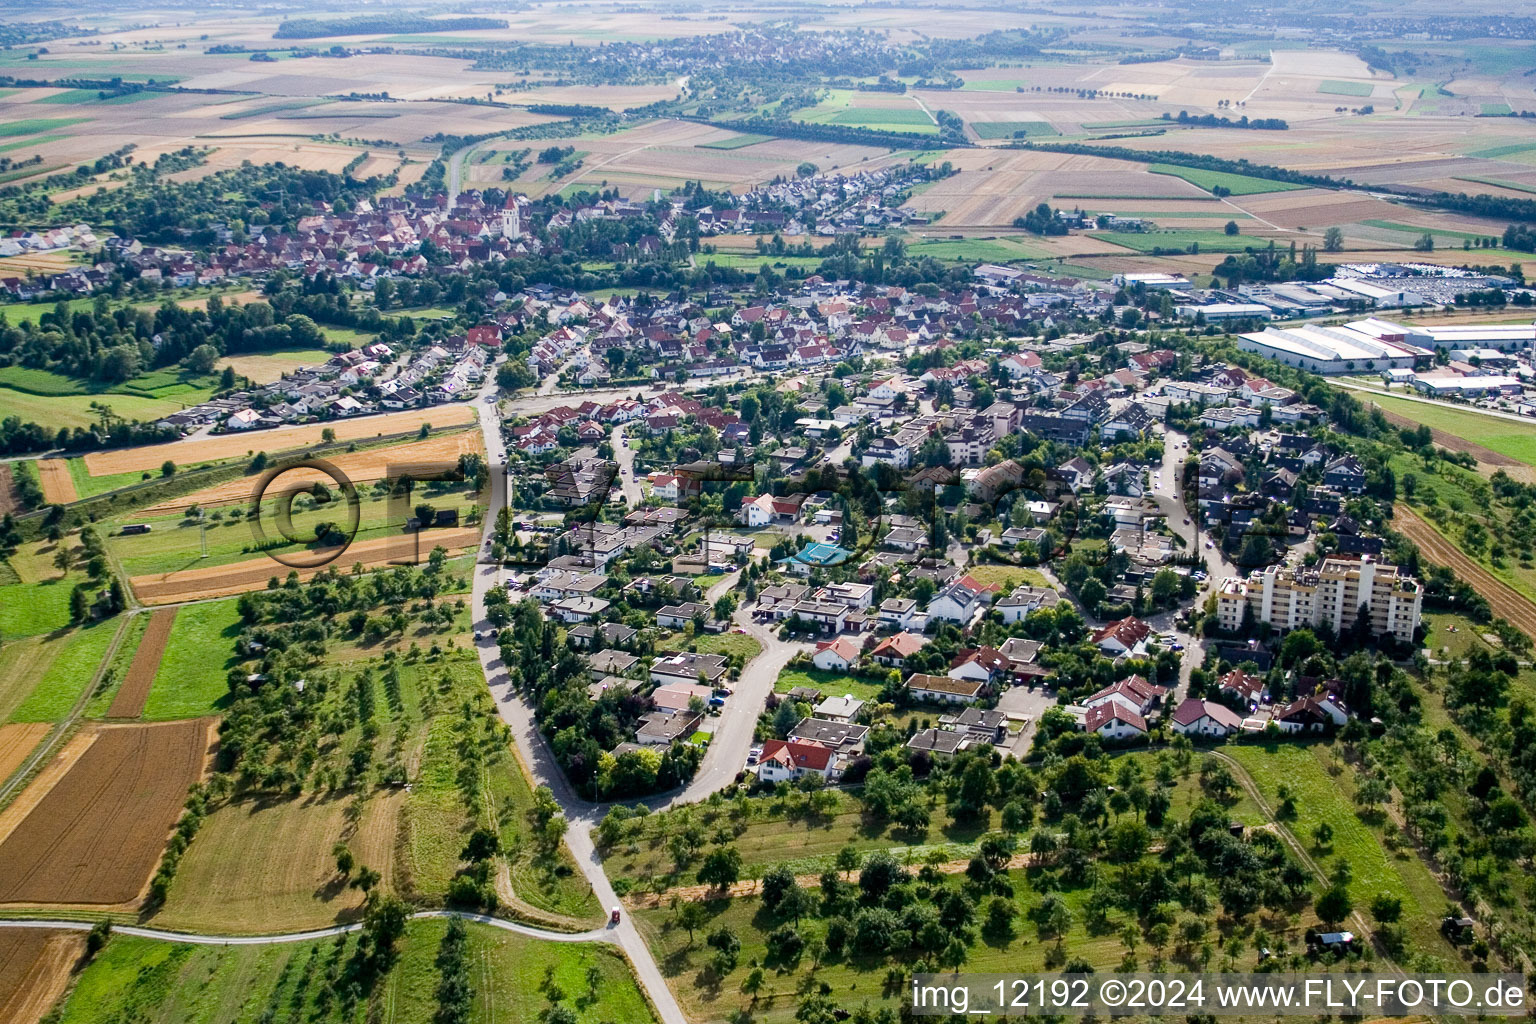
(1507, 603)
(94, 834)
(228, 446)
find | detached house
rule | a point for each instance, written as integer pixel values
(787, 760)
(1112, 721)
(1195, 717)
(836, 655)
(962, 601)
(945, 689)
(1126, 637)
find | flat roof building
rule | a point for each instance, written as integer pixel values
(1332, 594)
(1366, 345)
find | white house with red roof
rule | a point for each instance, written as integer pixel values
(1133, 693)
(836, 655)
(663, 486)
(980, 664)
(1247, 688)
(787, 760)
(1127, 636)
(757, 512)
(1195, 717)
(1113, 721)
(894, 651)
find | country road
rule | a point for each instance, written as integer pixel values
(595, 935)
(581, 815)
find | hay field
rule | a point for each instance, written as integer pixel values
(17, 740)
(994, 187)
(187, 452)
(129, 702)
(264, 864)
(58, 485)
(252, 574)
(359, 467)
(265, 367)
(35, 968)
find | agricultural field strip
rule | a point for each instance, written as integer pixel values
(46, 748)
(601, 934)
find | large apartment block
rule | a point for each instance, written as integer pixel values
(1332, 593)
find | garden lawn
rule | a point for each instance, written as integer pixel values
(1002, 575)
(831, 684)
(193, 677)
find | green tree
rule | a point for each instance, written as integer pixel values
(1334, 905)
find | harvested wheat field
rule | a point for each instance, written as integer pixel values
(359, 467)
(58, 485)
(96, 834)
(129, 702)
(228, 446)
(252, 574)
(35, 965)
(263, 864)
(17, 740)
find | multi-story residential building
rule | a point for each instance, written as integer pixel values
(1333, 593)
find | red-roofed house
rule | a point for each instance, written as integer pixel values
(1197, 717)
(1128, 636)
(894, 651)
(784, 761)
(1112, 721)
(1247, 688)
(488, 335)
(836, 655)
(980, 664)
(1133, 693)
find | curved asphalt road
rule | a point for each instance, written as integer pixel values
(595, 935)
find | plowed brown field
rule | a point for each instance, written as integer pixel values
(252, 574)
(58, 485)
(228, 446)
(97, 834)
(129, 702)
(1507, 602)
(359, 467)
(35, 964)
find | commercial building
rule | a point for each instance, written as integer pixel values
(1363, 346)
(1226, 312)
(1333, 593)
